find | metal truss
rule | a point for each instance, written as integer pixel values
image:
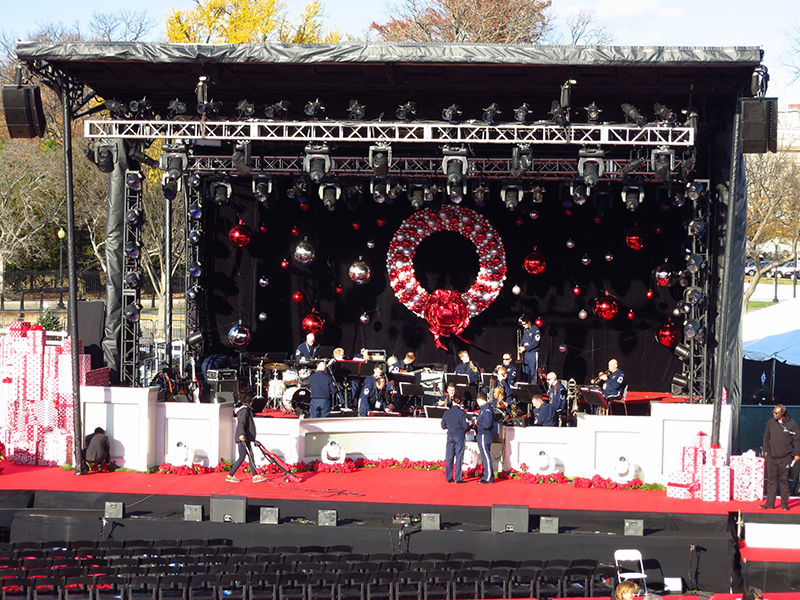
(395, 132)
(193, 196)
(131, 294)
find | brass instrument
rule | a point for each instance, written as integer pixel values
(473, 366)
(519, 345)
(600, 377)
(572, 395)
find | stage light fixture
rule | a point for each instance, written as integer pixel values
(521, 113)
(694, 189)
(245, 109)
(193, 179)
(220, 192)
(170, 187)
(697, 227)
(452, 113)
(457, 191)
(676, 190)
(694, 263)
(352, 196)
(406, 112)
(663, 161)
(417, 196)
(329, 193)
(194, 269)
(313, 108)
(176, 107)
(196, 234)
(566, 93)
(665, 114)
(380, 159)
(521, 160)
(578, 191)
(430, 192)
(241, 158)
(132, 250)
(560, 115)
(379, 188)
(194, 291)
(633, 165)
(133, 312)
(593, 113)
(395, 191)
(700, 336)
(133, 216)
(195, 338)
(490, 113)
(173, 161)
(690, 328)
(262, 188)
(317, 162)
(116, 108)
(102, 154)
(683, 352)
(693, 295)
(277, 110)
(297, 191)
(455, 164)
(632, 196)
(632, 115)
(134, 180)
(356, 111)
(196, 211)
(511, 194)
(136, 154)
(133, 279)
(537, 194)
(591, 165)
(479, 195)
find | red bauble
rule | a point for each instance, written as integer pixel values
(304, 206)
(577, 290)
(538, 322)
(381, 221)
(605, 306)
(535, 263)
(263, 229)
(650, 294)
(520, 222)
(240, 235)
(669, 334)
(339, 289)
(294, 231)
(356, 225)
(284, 264)
(297, 296)
(447, 314)
(635, 238)
(631, 315)
(313, 323)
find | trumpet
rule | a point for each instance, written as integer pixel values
(600, 377)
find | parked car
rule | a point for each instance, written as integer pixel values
(750, 268)
(788, 271)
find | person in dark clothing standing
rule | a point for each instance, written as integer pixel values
(484, 428)
(322, 388)
(529, 347)
(245, 435)
(781, 451)
(98, 450)
(455, 422)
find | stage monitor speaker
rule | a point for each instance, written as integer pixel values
(22, 105)
(229, 509)
(510, 518)
(115, 510)
(192, 512)
(269, 515)
(548, 524)
(431, 522)
(222, 397)
(326, 518)
(634, 527)
(759, 125)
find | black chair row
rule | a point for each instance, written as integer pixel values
(61, 545)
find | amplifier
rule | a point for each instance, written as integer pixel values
(221, 375)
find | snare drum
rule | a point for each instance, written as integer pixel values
(290, 377)
(304, 374)
(297, 400)
(275, 389)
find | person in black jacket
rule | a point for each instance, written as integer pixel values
(245, 435)
(98, 450)
(484, 428)
(322, 388)
(781, 451)
(455, 422)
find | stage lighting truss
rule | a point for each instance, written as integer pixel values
(379, 188)
(262, 188)
(317, 162)
(329, 193)
(380, 160)
(220, 192)
(131, 283)
(591, 166)
(632, 196)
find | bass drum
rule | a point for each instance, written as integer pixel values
(297, 400)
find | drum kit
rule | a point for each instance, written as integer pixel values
(286, 386)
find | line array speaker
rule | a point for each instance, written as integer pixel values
(23, 110)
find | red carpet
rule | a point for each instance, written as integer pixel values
(404, 486)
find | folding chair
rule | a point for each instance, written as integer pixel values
(635, 569)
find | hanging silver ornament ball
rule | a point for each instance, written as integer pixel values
(239, 336)
(262, 316)
(364, 318)
(359, 272)
(562, 348)
(516, 290)
(609, 257)
(570, 243)
(582, 314)
(263, 281)
(304, 253)
(586, 260)
(371, 244)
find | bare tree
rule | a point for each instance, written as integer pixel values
(584, 30)
(121, 26)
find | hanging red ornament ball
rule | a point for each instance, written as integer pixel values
(538, 322)
(339, 289)
(635, 238)
(631, 315)
(294, 231)
(304, 206)
(576, 290)
(597, 219)
(240, 235)
(520, 221)
(381, 221)
(263, 229)
(669, 334)
(313, 323)
(356, 225)
(297, 297)
(535, 263)
(650, 294)
(605, 306)
(659, 230)
(664, 275)
(284, 264)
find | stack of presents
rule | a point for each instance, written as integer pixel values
(36, 399)
(704, 474)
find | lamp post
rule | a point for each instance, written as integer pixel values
(61, 235)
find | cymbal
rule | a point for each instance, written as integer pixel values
(276, 366)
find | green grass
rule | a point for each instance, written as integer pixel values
(755, 305)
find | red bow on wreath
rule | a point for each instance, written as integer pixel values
(447, 314)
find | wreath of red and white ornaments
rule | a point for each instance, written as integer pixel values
(457, 219)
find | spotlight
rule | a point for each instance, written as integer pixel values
(352, 197)
(132, 312)
(196, 234)
(135, 153)
(430, 192)
(195, 338)
(241, 158)
(133, 279)
(634, 164)
(194, 291)
(693, 295)
(134, 180)
(297, 191)
(356, 111)
(691, 328)
(521, 113)
(537, 195)
(132, 250)
(663, 163)
(490, 113)
(452, 113)
(676, 190)
(221, 192)
(521, 160)
(680, 383)
(173, 161)
(314, 109)
(511, 195)
(566, 93)
(666, 115)
(277, 110)
(395, 191)
(193, 180)
(632, 115)
(245, 109)
(317, 162)
(560, 115)
(380, 159)
(406, 112)
(697, 227)
(139, 107)
(379, 188)
(457, 191)
(632, 196)
(694, 263)
(196, 211)
(694, 190)
(176, 107)
(133, 216)
(579, 191)
(194, 269)
(455, 165)
(593, 113)
(330, 193)
(591, 166)
(116, 108)
(700, 336)
(417, 196)
(262, 187)
(479, 195)
(170, 187)
(683, 352)
(102, 154)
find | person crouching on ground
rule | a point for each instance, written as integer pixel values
(98, 451)
(245, 436)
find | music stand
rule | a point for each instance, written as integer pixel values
(346, 368)
(366, 368)
(399, 378)
(486, 379)
(412, 390)
(594, 397)
(456, 378)
(524, 392)
(469, 395)
(275, 357)
(434, 412)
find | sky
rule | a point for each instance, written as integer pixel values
(768, 24)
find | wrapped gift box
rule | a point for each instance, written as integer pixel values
(54, 449)
(716, 457)
(702, 440)
(681, 485)
(748, 478)
(98, 377)
(717, 483)
(692, 459)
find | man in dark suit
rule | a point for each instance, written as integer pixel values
(455, 422)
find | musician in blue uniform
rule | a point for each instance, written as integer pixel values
(449, 395)
(501, 379)
(308, 349)
(483, 435)
(366, 397)
(529, 347)
(469, 368)
(375, 397)
(544, 413)
(557, 394)
(455, 422)
(322, 388)
(613, 381)
(511, 369)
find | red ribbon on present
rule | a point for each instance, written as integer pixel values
(447, 314)
(716, 447)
